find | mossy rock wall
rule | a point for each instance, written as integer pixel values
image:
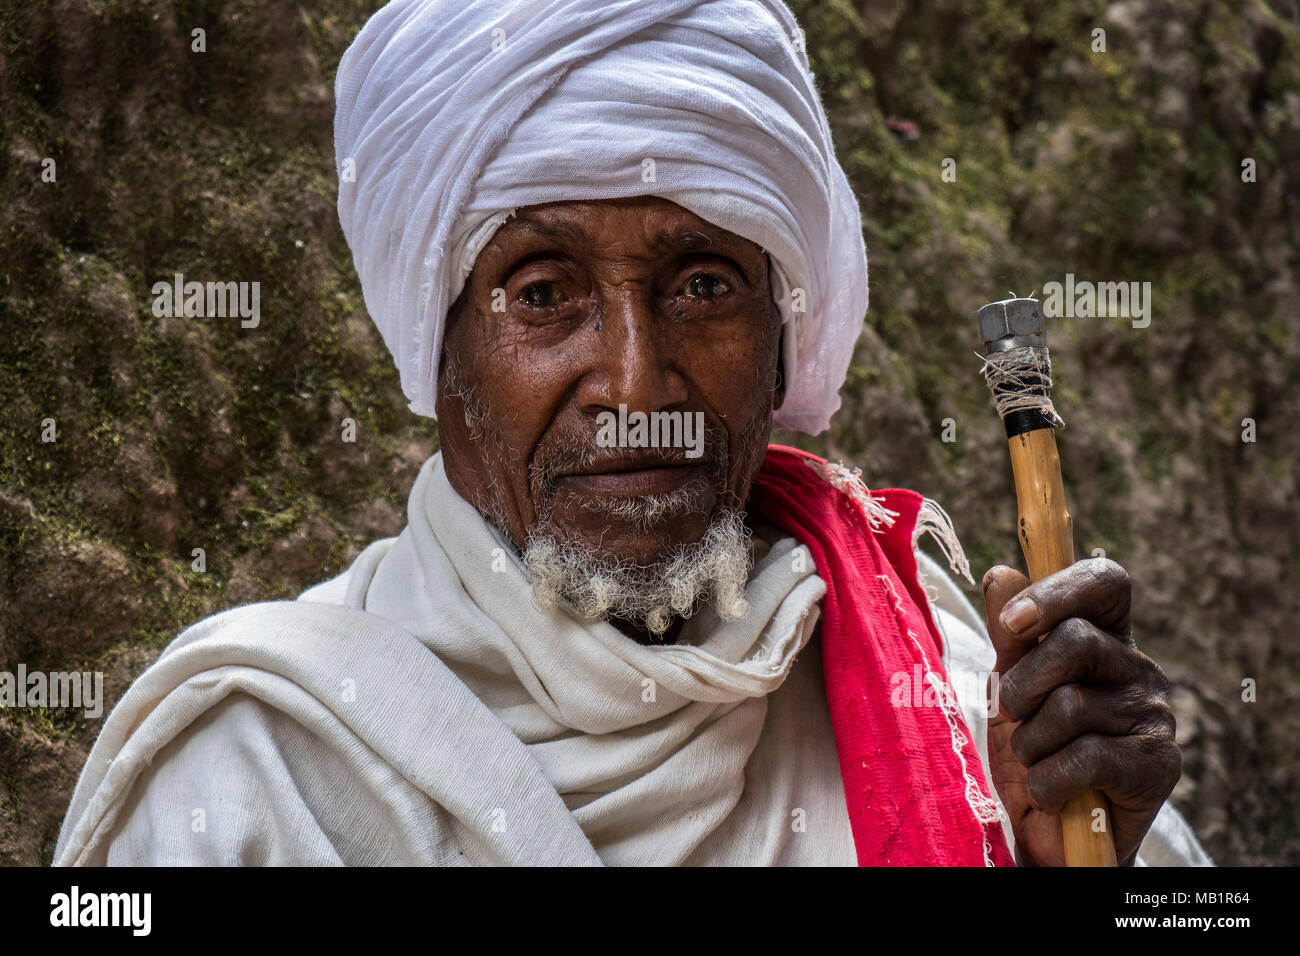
(179, 434)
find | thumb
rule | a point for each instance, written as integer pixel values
(1001, 584)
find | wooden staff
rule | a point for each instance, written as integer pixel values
(1018, 371)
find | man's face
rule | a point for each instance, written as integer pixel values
(575, 309)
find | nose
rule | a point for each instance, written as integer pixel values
(634, 359)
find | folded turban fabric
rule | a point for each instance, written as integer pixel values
(453, 114)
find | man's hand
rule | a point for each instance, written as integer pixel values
(1085, 709)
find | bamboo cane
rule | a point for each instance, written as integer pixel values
(1016, 346)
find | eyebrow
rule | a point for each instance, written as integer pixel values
(687, 241)
(665, 242)
(683, 240)
(561, 231)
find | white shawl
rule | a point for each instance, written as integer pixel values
(420, 709)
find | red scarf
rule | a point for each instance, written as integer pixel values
(913, 779)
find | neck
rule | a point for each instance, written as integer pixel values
(643, 636)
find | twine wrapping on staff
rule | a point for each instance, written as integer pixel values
(1020, 379)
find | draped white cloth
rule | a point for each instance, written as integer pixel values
(452, 114)
(420, 709)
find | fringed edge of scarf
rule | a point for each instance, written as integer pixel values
(850, 482)
(934, 521)
(931, 519)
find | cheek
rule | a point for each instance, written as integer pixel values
(735, 372)
(523, 381)
(734, 379)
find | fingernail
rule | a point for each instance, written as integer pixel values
(988, 579)
(1020, 614)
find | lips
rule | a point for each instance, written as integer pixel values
(632, 476)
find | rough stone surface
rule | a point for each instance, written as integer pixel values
(179, 434)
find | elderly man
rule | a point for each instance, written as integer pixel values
(609, 246)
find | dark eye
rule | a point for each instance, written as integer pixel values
(705, 285)
(541, 295)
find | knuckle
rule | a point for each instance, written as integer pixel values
(1097, 644)
(1112, 580)
(1173, 763)
(1076, 640)
(1012, 687)
(1086, 757)
(1071, 635)
(1161, 767)
(1107, 572)
(1009, 701)
(1159, 723)
(1160, 682)
(1020, 745)
(1043, 783)
(1149, 676)
(1069, 704)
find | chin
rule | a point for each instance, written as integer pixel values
(629, 542)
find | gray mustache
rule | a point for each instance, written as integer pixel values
(581, 453)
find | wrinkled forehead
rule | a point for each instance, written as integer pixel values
(653, 225)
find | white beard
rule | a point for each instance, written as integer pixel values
(597, 589)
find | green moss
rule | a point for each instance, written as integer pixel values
(53, 723)
(1064, 164)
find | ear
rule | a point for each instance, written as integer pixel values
(774, 317)
(778, 394)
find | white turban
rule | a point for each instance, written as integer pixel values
(452, 114)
